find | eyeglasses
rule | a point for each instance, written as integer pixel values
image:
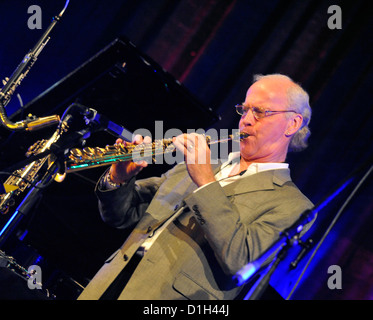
(258, 112)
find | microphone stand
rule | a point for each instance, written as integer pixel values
(28, 202)
(262, 283)
(288, 238)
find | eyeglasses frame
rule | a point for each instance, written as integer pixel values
(267, 113)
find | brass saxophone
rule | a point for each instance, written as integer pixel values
(10, 85)
(23, 178)
(88, 157)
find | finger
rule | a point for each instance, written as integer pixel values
(122, 142)
(142, 163)
(191, 143)
(180, 143)
(147, 139)
(137, 139)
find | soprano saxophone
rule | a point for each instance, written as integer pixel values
(88, 157)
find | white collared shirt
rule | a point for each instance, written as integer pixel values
(233, 162)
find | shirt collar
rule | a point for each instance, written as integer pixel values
(233, 161)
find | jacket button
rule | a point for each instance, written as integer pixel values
(195, 208)
(125, 257)
(149, 229)
(176, 207)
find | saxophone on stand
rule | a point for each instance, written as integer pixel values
(23, 178)
(15, 80)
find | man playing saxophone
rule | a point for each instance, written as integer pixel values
(199, 223)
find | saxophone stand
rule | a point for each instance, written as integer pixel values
(56, 159)
(290, 237)
(26, 125)
(27, 203)
(94, 122)
(56, 155)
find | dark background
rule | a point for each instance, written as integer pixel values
(213, 48)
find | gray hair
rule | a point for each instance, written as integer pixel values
(298, 100)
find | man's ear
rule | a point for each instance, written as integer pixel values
(295, 123)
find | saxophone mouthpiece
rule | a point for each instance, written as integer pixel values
(243, 135)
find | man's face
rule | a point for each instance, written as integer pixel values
(267, 141)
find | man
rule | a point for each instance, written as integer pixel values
(198, 224)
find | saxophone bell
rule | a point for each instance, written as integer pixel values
(60, 177)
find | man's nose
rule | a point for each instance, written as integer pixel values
(248, 118)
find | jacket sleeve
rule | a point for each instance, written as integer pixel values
(124, 206)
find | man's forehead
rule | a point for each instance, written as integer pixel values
(268, 89)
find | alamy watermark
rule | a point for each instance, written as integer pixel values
(160, 154)
(335, 19)
(335, 280)
(34, 277)
(35, 20)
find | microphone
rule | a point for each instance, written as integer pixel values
(103, 123)
(246, 272)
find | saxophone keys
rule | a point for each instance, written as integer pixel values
(121, 148)
(93, 152)
(88, 151)
(76, 154)
(117, 148)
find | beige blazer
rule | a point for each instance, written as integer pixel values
(195, 257)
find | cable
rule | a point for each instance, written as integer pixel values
(64, 8)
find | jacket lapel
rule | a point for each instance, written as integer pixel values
(160, 210)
